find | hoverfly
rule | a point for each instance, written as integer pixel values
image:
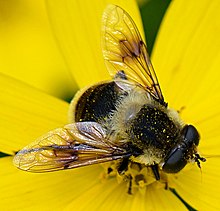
(123, 119)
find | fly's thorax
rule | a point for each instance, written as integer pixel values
(155, 130)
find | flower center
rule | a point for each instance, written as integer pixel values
(137, 176)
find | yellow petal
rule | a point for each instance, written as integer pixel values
(46, 191)
(100, 197)
(186, 59)
(186, 54)
(26, 113)
(201, 189)
(205, 115)
(77, 26)
(113, 196)
(28, 51)
(77, 188)
(157, 199)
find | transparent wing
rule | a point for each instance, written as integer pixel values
(124, 50)
(72, 146)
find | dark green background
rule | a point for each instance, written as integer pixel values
(152, 13)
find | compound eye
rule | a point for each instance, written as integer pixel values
(175, 161)
(191, 135)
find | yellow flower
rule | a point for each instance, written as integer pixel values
(186, 59)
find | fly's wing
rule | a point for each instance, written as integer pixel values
(74, 145)
(124, 50)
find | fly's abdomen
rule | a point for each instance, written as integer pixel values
(97, 102)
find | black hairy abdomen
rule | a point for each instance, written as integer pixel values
(98, 102)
